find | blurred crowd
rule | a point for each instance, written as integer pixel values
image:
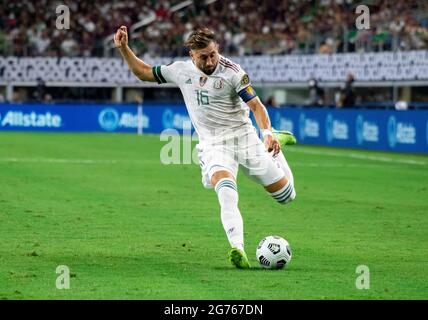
(245, 27)
(29, 27)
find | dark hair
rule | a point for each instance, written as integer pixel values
(200, 38)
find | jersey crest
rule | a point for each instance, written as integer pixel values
(218, 84)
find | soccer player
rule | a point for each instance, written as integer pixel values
(218, 96)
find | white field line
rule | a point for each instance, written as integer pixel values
(339, 165)
(361, 157)
(137, 162)
(61, 161)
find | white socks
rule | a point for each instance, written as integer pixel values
(285, 194)
(230, 216)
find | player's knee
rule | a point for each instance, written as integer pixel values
(285, 194)
(227, 193)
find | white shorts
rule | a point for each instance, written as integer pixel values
(245, 150)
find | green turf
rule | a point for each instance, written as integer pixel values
(129, 227)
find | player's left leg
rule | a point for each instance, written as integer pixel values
(284, 137)
(273, 173)
(282, 190)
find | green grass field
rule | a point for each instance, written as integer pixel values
(129, 227)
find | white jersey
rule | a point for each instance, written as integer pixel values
(212, 101)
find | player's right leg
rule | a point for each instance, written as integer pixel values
(225, 186)
(219, 170)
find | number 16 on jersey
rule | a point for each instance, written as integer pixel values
(202, 97)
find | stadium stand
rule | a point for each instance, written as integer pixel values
(281, 44)
(245, 27)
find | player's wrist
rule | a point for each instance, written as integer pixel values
(266, 132)
(123, 47)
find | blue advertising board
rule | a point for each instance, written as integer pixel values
(403, 131)
(91, 117)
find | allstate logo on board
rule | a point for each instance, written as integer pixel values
(175, 120)
(168, 118)
(400, 132)
(359, 129)
(308, 128)
(108, 119)
(281, 123)
(329, 128)
(392, 131)
(336, 129)
(366, 130)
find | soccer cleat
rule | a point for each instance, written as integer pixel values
(239, 258)
(284, 137)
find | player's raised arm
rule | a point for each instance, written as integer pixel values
(141, 69)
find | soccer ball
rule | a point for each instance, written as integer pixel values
(274, 252)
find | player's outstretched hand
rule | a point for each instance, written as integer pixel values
(121, 37)
(272, 144)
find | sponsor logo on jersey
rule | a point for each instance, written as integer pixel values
(32, 119)
(400, 132)
(218, 84)
(189, 81)
(335, 129)
(202, 81)
(366, 130)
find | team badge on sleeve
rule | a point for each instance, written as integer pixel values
(245, 80)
